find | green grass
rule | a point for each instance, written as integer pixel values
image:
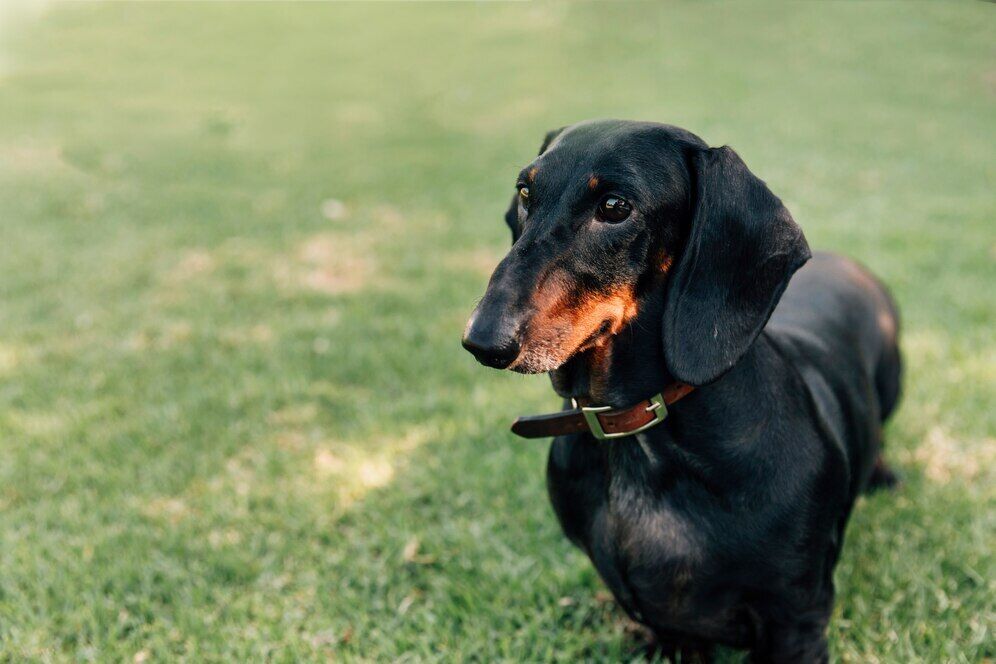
(233, 428)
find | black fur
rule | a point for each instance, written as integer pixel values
(743, 248)
(723, 524)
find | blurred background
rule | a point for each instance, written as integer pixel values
(238, 245)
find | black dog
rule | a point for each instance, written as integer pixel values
(645, 263)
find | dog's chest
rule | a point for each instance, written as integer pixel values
(656, 549)
(656, 558)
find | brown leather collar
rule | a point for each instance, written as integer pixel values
(602, 421)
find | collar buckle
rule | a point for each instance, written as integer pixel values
(657, 407)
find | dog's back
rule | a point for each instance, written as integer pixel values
(841, 327)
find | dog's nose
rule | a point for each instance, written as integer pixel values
(489, 350)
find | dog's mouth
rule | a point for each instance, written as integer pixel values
(562, 322)
(549, 352)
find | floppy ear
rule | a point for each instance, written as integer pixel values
(512, 216)
(550, 135)
(512, 213)
(742, 249)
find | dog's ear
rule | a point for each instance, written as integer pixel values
(512, 213)
(512, 216)
(550, 135)
(742, 249)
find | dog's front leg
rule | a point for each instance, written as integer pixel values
(804, 642)
(679, 652)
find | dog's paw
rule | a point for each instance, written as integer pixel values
(882, 477)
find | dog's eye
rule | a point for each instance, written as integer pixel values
(524, 196)
(614, 209)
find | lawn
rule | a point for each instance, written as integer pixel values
(238, 245)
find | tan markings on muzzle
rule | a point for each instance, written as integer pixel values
(568, 321)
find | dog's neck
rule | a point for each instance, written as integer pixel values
(628, 367)
(710, 422)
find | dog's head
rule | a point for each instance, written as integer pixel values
(611, 212)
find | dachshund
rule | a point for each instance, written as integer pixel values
(724, 388)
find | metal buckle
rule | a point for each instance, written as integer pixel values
(595, 425)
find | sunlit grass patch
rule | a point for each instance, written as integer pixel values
(944, 458)
(12, 356)
(479, 262)
(33, 158)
